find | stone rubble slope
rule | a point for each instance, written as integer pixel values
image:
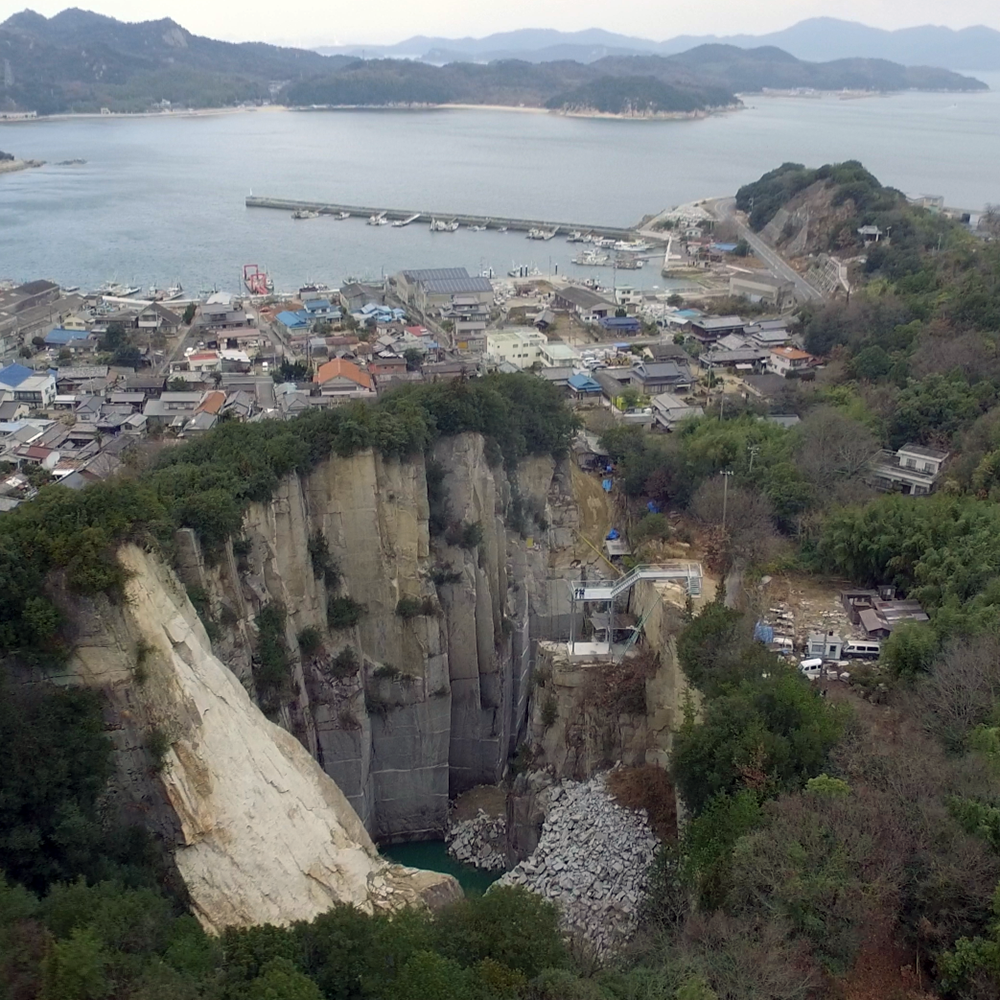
(592, 861)
(480, 841)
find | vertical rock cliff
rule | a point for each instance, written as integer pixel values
(438, 699)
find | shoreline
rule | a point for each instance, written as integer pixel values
(15, 166)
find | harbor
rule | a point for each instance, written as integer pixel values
(406, 216)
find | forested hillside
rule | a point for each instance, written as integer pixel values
(78, 61)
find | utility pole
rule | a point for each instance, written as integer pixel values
(753, 449)
(726, 473)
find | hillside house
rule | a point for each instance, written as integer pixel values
(654, 377)
(344, 379)
(787, 361)
(912, 470)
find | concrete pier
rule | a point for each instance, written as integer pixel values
(491, 221)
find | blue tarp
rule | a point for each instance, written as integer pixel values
(763, 632)
(612, 534)
(653, 507)
(606, 485)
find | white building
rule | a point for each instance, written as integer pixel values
(520, 347)
(559, 355)
(36, 391)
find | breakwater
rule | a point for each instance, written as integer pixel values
(463, 219)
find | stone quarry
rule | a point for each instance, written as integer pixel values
(480, 842)
(591, 861)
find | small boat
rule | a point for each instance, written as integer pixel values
(378, 220)
(116, 290)
(575, 237)
(502, 229)
(400, 223)
(437, 226)
(477, 229)
(340, 216)
(305, 213)
(452, 226)
(591, 258)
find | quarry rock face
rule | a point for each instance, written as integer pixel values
(439, 700)
(261, 833)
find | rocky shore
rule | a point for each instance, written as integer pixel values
(12, 166)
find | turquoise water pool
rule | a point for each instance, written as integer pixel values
(433, 855)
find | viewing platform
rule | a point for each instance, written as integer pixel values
(463, 219)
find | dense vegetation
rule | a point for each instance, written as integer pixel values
(81, 61)
(637, 95)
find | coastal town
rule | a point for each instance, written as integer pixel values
(90, 376)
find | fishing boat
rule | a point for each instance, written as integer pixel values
(340, 216)
(502, 229)
(305, 213)
(400, 223)
(575, 237)
(257, 281)
(591, 258)
(378, 220)
(477, 229)
(117, 290)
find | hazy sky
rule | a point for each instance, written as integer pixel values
(314, 22)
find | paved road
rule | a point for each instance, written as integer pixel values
(725, 209)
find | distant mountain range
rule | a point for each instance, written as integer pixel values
(818, 39)
(83, 62)
(80, 61)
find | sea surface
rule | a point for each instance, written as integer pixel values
(161, 199)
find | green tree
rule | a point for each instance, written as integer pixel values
(189, 313)
(76, 969)
(910, 649)
(281, 980)
(510, 925)
(766, 734)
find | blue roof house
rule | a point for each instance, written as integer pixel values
(63, 338)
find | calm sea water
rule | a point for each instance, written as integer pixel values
(161, 200)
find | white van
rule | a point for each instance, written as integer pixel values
(813, 669)
(862, 650)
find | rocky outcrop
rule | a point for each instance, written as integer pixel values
(261, 833)
(591, 861)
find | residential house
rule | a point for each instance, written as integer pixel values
(558, 355)
(747, 359)
(387, 365)
(37, 391)
(670, 410)
(788, 361)
(11, 410)
(620, 324)
(912, 469)
(654, 377)
(293, 322)
(174, 408)
(321, 309)
(77, 341)
(157, 318)
(344, 379)
(204, 361)
(446, 371)
(559, 376)
(707, 330)
(582, 387)
(768, 333)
